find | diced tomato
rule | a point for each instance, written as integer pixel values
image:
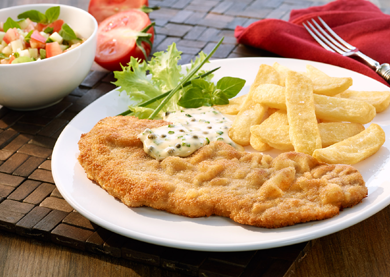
(11, 35)
(56, 25)
(36, 44)
(40, 27)
(53, 49)
(101, 9)
(30, 25)
(11, 59)
(117, 39)
(38, 37)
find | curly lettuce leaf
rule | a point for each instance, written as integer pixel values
(134, 81)
(141, 112)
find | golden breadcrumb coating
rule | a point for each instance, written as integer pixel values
(248, 187)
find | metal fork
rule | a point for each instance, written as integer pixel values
(332, 42)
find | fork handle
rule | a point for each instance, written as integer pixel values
(382, 69)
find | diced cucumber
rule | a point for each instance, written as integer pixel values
(24, 53)
(23, 24)
(56, 37)
(7, 50)
(22, 60)
(33, 53)
(42, 53)
(64, 47)
(46, 36)
(16, 45)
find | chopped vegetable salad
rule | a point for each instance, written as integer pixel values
(35, 36)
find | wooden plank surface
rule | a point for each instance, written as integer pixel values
(41, 235)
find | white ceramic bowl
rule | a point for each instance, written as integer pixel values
(39, 84)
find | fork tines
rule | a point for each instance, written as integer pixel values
(327, 39)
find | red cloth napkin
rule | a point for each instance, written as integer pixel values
(358, 22)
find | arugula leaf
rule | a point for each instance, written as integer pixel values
(67, 33)
(230, 86)
(34, 15)
(52, 14)
(9, 24)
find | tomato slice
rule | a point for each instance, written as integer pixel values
(102, 9)
(53, 49)
(117, 37)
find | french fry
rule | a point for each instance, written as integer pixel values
(326, 108)
(334, 132)
(304, 133)
(379, 99)
(326, 85)
(282, 70)
(274, 131)
(233, 107)
(257, 143)
(353, 149)
(252, 113)
(277, 136)
(343, 109)
(273, 96)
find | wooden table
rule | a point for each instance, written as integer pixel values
(41, 235)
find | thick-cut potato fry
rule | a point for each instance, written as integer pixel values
(326, 85)
(343, 109)
(277, 136)
(282, 72)
(257, 143)
(304, 133)
(379, 99)
(271, 95)
(269, 130)
(353, 149)
(252, 113)
(233, 107)
(334, 132)
(326, 108)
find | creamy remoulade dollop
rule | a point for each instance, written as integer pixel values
(190, 129)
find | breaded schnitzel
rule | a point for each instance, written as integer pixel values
(250, 188)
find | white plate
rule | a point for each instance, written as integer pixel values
(213, 233)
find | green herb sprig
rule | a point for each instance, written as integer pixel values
(184, 80)
(205, 93)
(49, 16)
(154, 99)
(9, 24)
